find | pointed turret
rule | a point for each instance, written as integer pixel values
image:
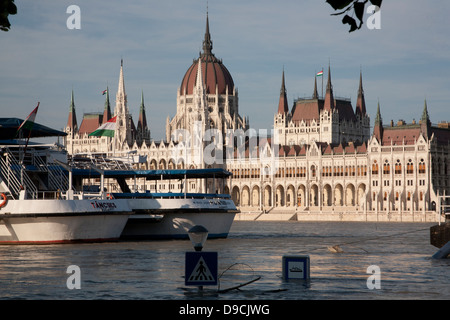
(143, 132)
(107, 110)
(378, 127)
(329, 99)
(72, 120)
(315, 93)
(125, 129)
(283, 104)
(142, 122)
(360, 101)
(121, 97)
(425, 123)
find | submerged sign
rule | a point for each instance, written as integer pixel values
(201, 269)
(296, 267)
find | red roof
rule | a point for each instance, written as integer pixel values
(400, 135)
(90, 123)
(307, 110)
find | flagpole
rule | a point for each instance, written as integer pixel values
(29, 129)
(114, 140)
(322, 82)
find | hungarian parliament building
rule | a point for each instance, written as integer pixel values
(320, 157)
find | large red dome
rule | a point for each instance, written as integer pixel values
(214, 73)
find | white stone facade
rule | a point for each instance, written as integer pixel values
(322, 159)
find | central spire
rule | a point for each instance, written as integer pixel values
(207, 42)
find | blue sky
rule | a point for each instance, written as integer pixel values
(403, 63)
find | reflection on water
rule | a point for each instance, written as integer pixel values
(155, 269)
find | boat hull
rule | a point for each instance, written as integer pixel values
(172, 218)
(62, 221)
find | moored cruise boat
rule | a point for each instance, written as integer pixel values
(51, 221)
(169, 215)
(35, 209)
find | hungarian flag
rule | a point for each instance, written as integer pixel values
(29, 121)
(319, 74)
(104, 92)
(105, 130)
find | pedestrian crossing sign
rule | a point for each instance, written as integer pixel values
(201, 269)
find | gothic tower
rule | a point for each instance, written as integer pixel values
(124, 125)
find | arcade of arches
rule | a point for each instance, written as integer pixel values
(299, 196)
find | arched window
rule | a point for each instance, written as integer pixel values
(422, 166)
(398, 167)
(409, 167)
(313, 171)
(375, 167)
(386, 167)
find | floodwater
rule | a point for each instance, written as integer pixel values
(154, 270)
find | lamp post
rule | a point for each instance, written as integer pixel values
(198, 235)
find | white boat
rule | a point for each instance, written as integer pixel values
(170, 215)
(34, 210)
(50, 221)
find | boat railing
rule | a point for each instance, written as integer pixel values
(102, 162)
(14, 175)
(56, 177)
(170, 195)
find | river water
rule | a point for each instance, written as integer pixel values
(154, 270)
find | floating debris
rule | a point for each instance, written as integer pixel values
(335, 249)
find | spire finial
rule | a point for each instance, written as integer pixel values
(315, 93)
(425, 117)
(360, 101)
(72, 104)
(283, 104)
(329, 87)
(425, 123)
(283, 86)
(378, 119)
(329, 98)
(207, 42)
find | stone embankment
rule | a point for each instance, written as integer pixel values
(333, 214)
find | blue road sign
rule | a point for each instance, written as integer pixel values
(295, 267)
(200, 269)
